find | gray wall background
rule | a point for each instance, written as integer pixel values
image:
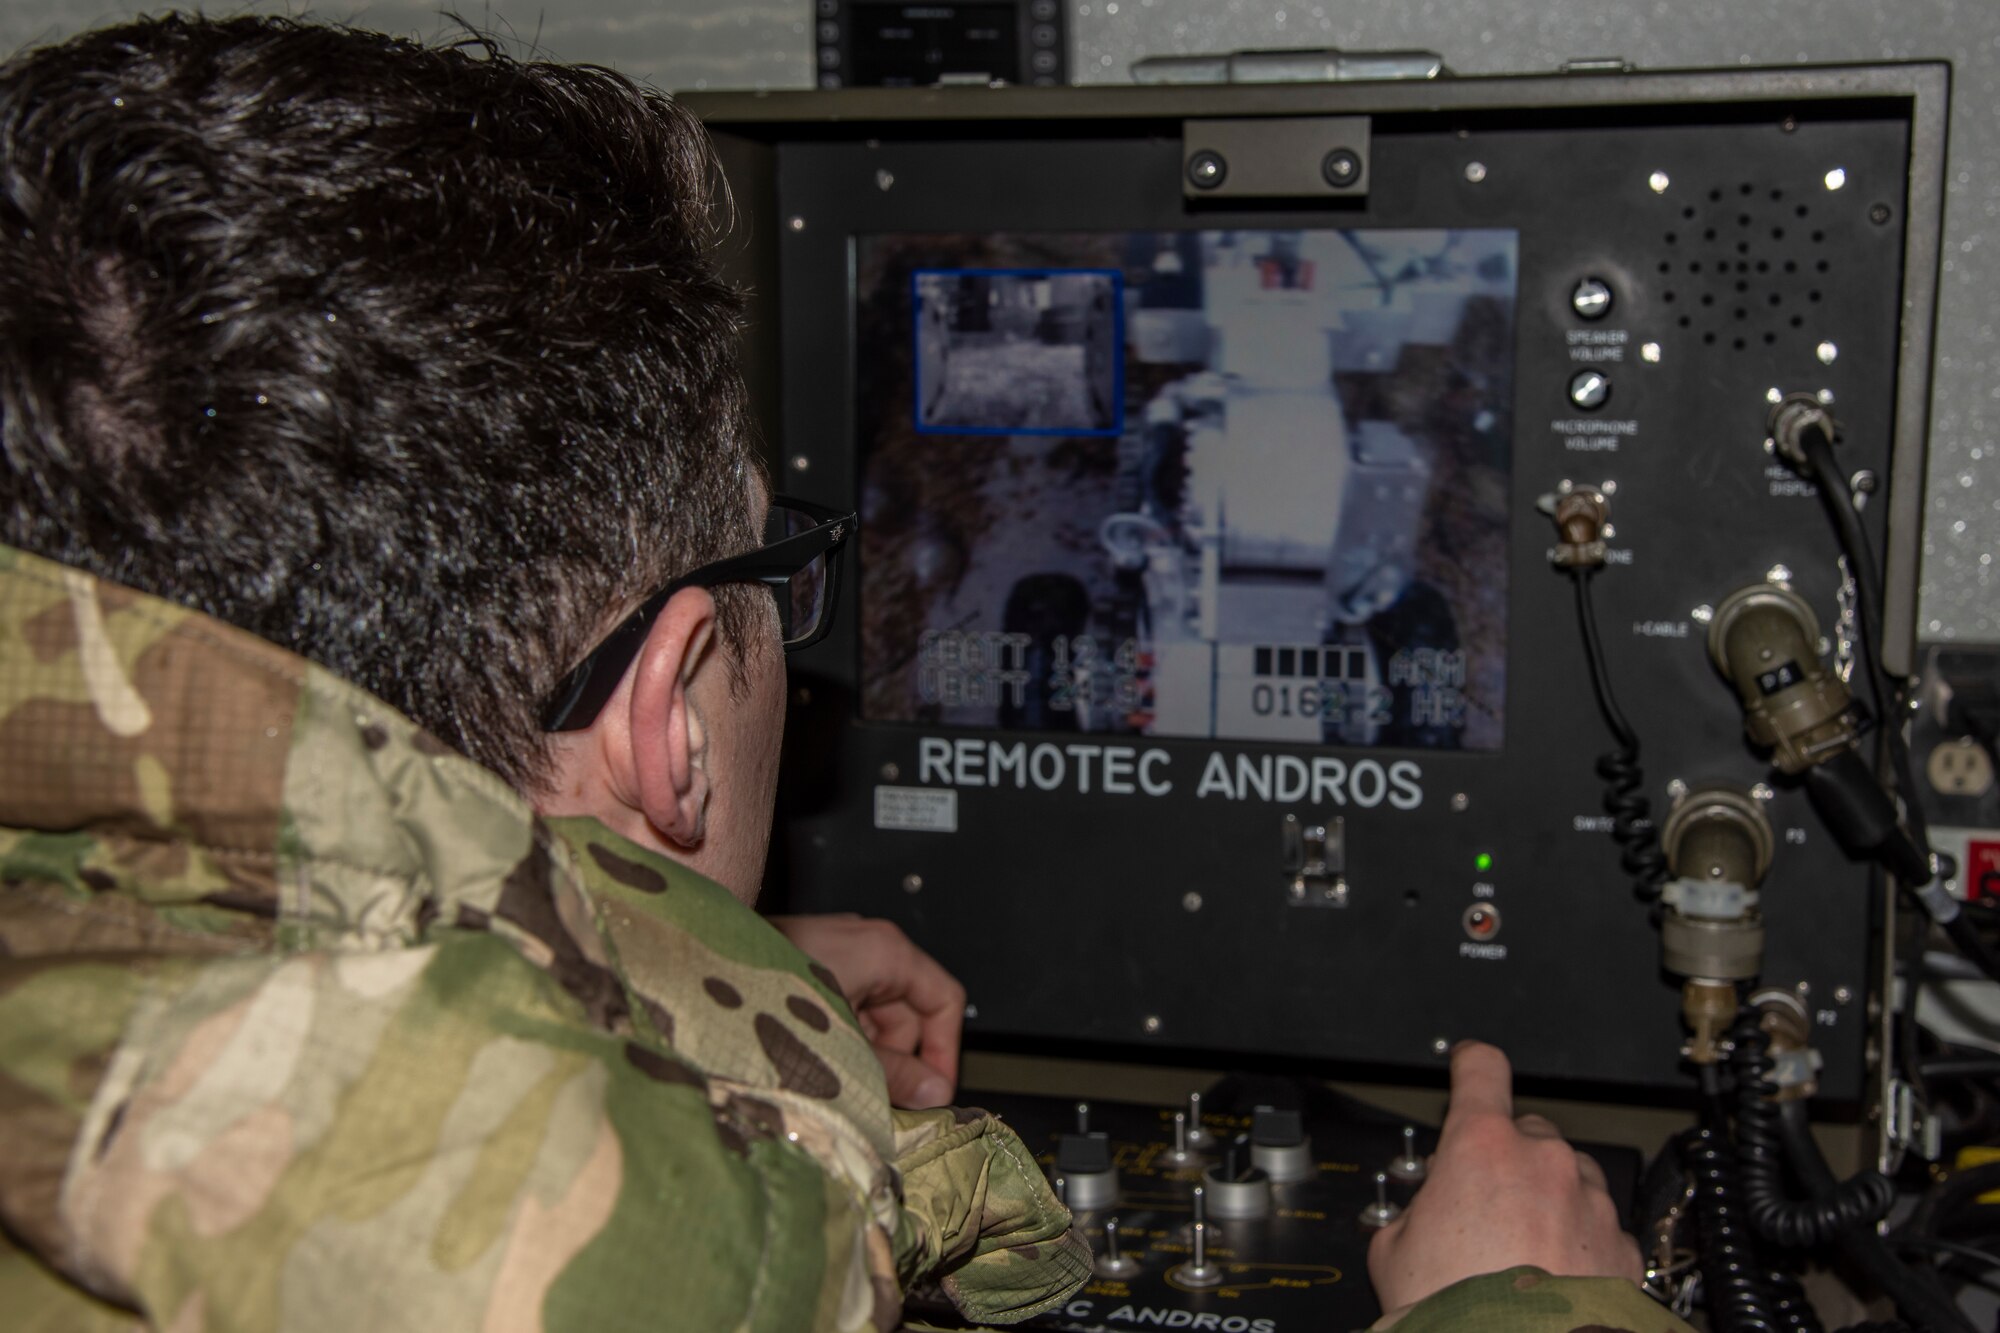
(767, 44)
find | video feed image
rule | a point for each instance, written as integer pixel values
(1005, 351)
(1289, 525)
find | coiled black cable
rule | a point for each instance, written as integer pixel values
(1631, 814)
(1744, 1293)
(1796, 1224)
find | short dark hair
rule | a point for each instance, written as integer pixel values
(411, 359)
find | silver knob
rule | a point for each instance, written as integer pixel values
(1589, 389)
(1591, 299)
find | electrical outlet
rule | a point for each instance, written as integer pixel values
(1960, 768)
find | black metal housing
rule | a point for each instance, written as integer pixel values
(1118, 921)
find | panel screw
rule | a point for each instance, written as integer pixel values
(1676, 789)
(913, 883)
(1152, 1024)
(1475, 172)
(1341, 168)
(1842, 995)
(1207, 169)
(1460, 802)
(890, 772)
(1762, 791)
(1878, 214)
(1191, 901)
(883, 180)
(1439, 1046)
(797, 223)
(1703, 614)
(800, 463)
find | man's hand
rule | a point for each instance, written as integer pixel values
(1500, 1192)
(909, 1007)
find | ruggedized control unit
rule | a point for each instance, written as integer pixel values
(1252, 480)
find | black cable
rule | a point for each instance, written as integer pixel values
(1962, 1066)
(1854, 545)
(1743, 1294)
(1949, 1202)
(1965, 936)
(1761, 1141)
(1906, 1015)
(1631, 814)
(1918, 1296)
(1946, 1247)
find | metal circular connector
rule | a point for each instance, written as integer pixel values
(1207, 169)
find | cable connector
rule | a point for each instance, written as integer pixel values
(1796, 421)
(1580, 514)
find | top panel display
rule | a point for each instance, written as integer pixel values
(1249, 485)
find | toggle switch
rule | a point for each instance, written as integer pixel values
(1409, 1168)
(1382, 1212)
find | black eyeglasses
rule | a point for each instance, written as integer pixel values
(794, 563)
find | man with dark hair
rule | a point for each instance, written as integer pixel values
(342, 382)
(388, 732)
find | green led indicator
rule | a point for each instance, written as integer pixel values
(1483, 862)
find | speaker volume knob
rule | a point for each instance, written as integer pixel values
(1591, 299)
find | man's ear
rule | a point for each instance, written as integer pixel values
(667, 746)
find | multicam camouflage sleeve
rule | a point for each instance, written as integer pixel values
(308, 1023)
(1527, 1300)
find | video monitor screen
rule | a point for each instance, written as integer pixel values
(1246, 485)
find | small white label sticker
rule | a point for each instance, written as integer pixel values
(917, 809)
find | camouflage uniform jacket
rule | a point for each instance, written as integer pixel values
(307, 1022)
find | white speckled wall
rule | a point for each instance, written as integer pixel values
(766, 43)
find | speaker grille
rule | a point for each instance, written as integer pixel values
(1743, 266)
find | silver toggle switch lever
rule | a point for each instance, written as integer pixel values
(1198, 1271)
(1380, 1213)
(1199, 1204)
(1114, 1262)
(1182, 1154)
(1409, 1168)
(1198, 1138)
